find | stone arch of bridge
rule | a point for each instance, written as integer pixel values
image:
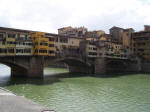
(74, 64)
(116, 65)
(70, 61)
(117, 62)
(16, 68)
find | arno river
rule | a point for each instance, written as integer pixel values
(129, 93)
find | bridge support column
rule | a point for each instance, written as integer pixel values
(100, 66)
(33, 70)
(134, 66)
(36, 67)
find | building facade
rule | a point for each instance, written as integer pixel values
(52, 44)
(94, 34)
(10, 43)
(68, 46)
(15, 42)
(127, 36)
(116, 33)
(3, 50)
(109, 49)
(72, 32)
(141, 44)
(23, 44)
(146, 27)
(88, 49)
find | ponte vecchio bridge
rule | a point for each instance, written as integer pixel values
(28, 52)
(32, 66)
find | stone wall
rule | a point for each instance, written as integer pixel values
(36, 67)
(134, 66)
(145, 67)
(100, 66)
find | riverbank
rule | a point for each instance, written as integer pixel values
(10, 102)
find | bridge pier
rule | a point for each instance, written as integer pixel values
(34, 69)
(135, 66)
(100, 66)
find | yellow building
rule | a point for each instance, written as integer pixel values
(40, 43)
(10, 43)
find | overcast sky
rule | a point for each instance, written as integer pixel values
(49, 15)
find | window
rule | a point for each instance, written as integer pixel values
(42, 51)
(30, 44)
(51, 52)
(27, 50)
(92, 53)
(94, 48)
(51, 39)
(11, 50)
(11, 42)
(1, 36)
(91, 43)
(19, 50)
(140, 49)
(51, 45)
(11, 35)
(2, 50)
(140, 44)
(63, 40)
(100, 54)
(3, 42)
(36, 51)
(44, 44)
(36, 43)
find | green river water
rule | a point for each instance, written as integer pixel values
(128, 93)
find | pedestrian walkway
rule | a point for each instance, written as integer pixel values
(10, 102)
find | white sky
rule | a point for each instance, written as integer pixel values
(49, 15)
